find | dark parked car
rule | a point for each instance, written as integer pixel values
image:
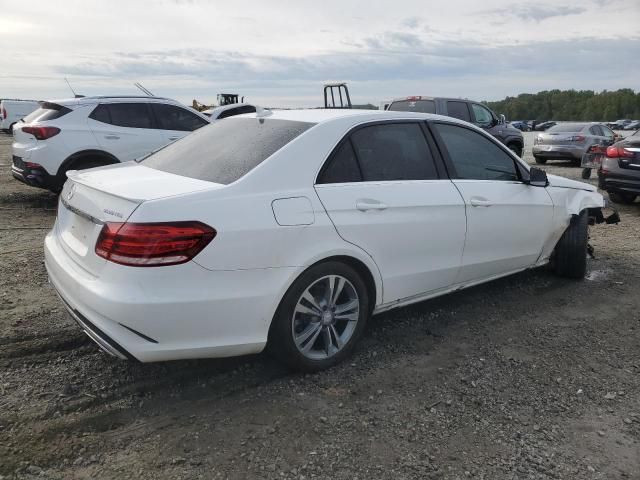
(635, 125)
(472, 112)
(619, 173)
(521, 125)
(542, 126)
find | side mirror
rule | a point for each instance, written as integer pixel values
(502, 119)
(537, 177)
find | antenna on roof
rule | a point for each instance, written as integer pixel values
(72, 90)
(144, 90)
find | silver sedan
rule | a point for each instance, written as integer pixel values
(569, 141)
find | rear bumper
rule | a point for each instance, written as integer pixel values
(33, 176)
(559, 151)
(168, 313)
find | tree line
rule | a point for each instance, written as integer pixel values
(585, 105)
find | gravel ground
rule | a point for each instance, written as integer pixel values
(531, 376)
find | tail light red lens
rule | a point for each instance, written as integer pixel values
(618, 152)
(41, 133)
(153, 244)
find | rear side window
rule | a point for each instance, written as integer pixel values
(474, 156)
(226, 151)
(47, 111)
(342, 167)
(131, 115)
(237, 111)
(396, 151)
(458, 110)
(170, 117)
(422, 106)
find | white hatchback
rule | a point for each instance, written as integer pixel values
(293, 227)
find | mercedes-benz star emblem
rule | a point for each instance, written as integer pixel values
(71, 191)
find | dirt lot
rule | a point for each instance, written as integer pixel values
(531, 376)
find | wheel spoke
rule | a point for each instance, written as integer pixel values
(312, 300)
(304, 309)
(339, 342)
(352, 317)
(311, 332)
(337, 290)
(329, 347)
(347, 307)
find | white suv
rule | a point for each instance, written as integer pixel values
(93, 131)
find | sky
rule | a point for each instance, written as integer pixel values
(279, 53)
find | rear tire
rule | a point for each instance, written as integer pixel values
(80, 164)
(570, 255)
(540, 160)
(586, 173)
(326, 343)
(626, 198)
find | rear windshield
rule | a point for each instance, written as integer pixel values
(567, 127)
(422, 106)
(47, 111)
(226, 151)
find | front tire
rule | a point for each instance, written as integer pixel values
(515, 149)
(626, 198)
(320, 318)
(570, 255)
(540, 160)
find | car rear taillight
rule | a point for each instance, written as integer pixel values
(152, 244)
(414, 98)
(42, 133)
(618, 152)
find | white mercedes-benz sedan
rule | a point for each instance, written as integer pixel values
(291, 228)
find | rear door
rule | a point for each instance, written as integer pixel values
(384, 192)
(508, 221)
(175, 122)
(125, 130)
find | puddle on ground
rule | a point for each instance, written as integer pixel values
(598, 275)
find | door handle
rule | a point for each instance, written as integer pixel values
(112, 137)
(364, 205)
(480, 202)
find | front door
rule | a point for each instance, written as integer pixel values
(508, 221)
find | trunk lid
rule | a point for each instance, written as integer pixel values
(110, 194)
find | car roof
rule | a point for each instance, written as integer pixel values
(223, 108)
(322, 115)
(68, 102)
(429, 97)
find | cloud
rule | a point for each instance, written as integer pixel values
(535, 13)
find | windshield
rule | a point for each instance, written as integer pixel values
(567, 127)
(226, 151)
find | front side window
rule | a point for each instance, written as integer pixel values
(395, 151)
(131, 115)
(458, 110)
(226, 151)
(482, 114)
(170, 117)
(474, 156)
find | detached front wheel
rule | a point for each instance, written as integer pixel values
(320, 318)
(570, 255)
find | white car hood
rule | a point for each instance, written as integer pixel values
(562, 182)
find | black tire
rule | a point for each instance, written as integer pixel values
(80, 164)
(281, 335)
(626, 198)
(540, 160)
(570, 255)
(586, 173)
(515, 149)
(10, 132)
